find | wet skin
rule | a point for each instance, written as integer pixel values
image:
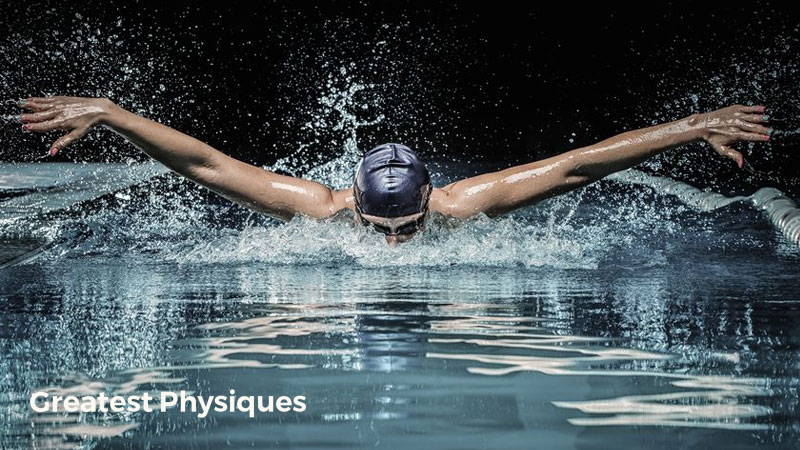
(492, 193)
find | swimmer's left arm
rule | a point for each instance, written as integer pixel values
(519, 186)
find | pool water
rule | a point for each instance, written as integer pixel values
(622, 315)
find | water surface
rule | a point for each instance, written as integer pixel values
(618, 316)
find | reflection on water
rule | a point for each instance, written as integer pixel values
(719, 406)
(515, 354)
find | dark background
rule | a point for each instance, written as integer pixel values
(498, 83)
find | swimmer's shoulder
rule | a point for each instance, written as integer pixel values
(447, 209)
(442, 203)
(342, 201)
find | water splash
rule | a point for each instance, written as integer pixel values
(695, 83)
(779, 209)
(81, 56)
(611, 222)
(339, 109)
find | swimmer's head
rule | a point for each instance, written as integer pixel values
(391, 191)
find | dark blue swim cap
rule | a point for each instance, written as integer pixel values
(391, 182)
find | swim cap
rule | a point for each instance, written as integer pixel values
(391, 182)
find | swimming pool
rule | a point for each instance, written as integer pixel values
(630, 313)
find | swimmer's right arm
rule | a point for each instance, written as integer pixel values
(264, 191)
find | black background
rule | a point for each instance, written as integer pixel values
(499, 82)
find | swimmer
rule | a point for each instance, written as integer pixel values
(392, 191)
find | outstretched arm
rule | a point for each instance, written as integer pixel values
(506, 190)
(277, 195)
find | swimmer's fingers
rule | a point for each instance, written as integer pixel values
(751, 109)
(749, 136)
(67, 139)
(43, 99)
(753, 118)
(728, 152)
(752, 127)
(37, 104)
(39, 116)
(735, 134)
(49, 125)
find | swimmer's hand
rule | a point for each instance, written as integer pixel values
(723, 127)
(75, 115)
